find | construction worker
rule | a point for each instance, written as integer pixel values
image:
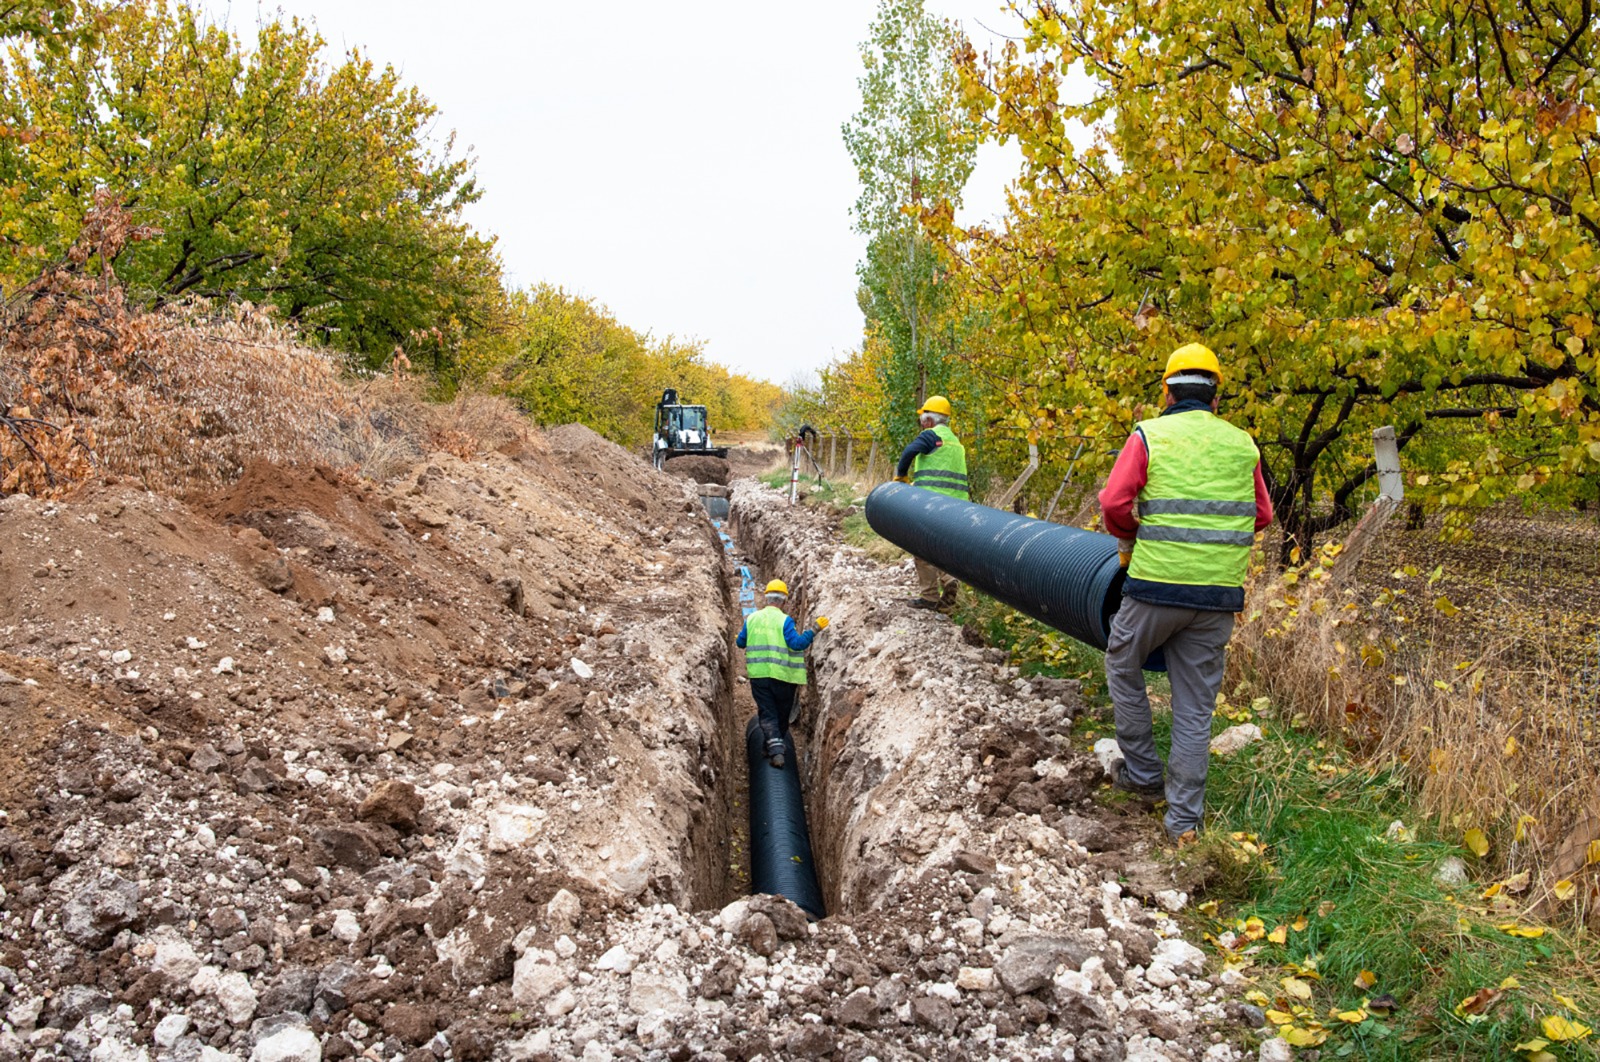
(775, 659)
(935, 461)
(1185, 500)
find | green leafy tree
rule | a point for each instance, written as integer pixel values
(912, 144)
(273, 176)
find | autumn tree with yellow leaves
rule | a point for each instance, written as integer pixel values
(1374, 214)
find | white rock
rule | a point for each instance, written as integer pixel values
(944, 990)
(652, 992)
(582, 670)
(616, 959)
(175, 960)
(346, 927)
(297, 1043)
(195, 643)
(1220, 1053)
(732, 916)
(1451, 873)
(1235, 738)
(595, 1051)
(970, 931)
(24, 1013)
(121, 656)
(1180, 955)
(1277, 1049)
(335, 654)
(563, 911)
(1172, 900)
(975, 978)
(324, 614)
(211, 1054)
(535, 977)
(513, 825)
(170, 1029)
(224, 666)
(238, 999)
(1161, 975)
(316, 776)
(566, 947)
(1109, 753)
(534, 1045)
(562, 1003)
(204, 981)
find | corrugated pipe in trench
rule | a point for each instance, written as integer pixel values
(780, 846)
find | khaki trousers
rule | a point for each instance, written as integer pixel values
(933, 584)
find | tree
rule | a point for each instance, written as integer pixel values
(912, 144)
(1376, 215)
(274, 177)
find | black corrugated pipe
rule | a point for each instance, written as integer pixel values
(780, 846)
(1063, 576)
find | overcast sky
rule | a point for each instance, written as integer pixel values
(679, 162)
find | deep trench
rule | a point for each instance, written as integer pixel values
(719, 846)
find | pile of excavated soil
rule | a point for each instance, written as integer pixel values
(310, 756)
(699, 469)
(319, 768)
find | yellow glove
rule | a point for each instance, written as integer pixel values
(902, 479)
(821, 622)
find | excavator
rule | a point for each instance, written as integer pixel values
(681, 431)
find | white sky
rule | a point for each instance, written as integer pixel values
(679, 162)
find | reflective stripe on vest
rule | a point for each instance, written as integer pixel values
(766, 653)
(945, 470)
(1198, 505)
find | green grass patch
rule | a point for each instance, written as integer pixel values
(1313, 895)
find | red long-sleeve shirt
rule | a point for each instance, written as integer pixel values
(1119, 499)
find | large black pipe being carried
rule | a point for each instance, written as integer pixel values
(780, 846)
(1063, 576)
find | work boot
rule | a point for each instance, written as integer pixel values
(1150, 791)
(922, 602)
(947, 598)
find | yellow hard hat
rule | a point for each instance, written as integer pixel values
(1193, 356)
(778, 586)
(936, 404)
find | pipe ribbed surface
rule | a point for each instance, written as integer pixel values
(780, 845)
(1063, 576)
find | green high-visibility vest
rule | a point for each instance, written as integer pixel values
(766, 654)
(945, 470)
(1197, 511)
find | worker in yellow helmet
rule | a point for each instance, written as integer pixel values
(1185, 500)
(935, 460)
(775, 661)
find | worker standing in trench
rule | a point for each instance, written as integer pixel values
(935, 460)
(775, 660)
(1185, 500)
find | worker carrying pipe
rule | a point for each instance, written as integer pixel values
(775, 661)
(1185, 500)
(935, 460)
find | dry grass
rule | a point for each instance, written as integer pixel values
(181, 399)
(1467, 676)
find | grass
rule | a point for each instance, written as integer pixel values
(1310, 891)
(841, 497)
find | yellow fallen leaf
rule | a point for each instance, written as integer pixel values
(1522, 827)
(1443, 604)
(1565, 889)
(1209, 908)
(1518, 882)
(1325, 908)
(1366, 979)
(1532, 1045)
(1560, 1029)
(1511, 746)
(1565, 1001)
(1592, 854)
(1354, 1017)
(1253, 929)
(1476, 842)
(1278, 1017)
(1279, 935)
(1492, 891)
(1258, 997)
(1509, 983)
(1303, 1037)
(1520, 931)
(1296, 987)
(1299, 924)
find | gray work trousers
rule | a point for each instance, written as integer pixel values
(1196, 643)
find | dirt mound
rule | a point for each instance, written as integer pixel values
(698, 469)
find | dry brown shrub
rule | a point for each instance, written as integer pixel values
(1494, 729)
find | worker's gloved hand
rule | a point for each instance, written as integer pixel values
(1125, 551)
(902, 479)
(820, 623)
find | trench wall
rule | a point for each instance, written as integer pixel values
(898, 714)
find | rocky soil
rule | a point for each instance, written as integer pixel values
(447, 767)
